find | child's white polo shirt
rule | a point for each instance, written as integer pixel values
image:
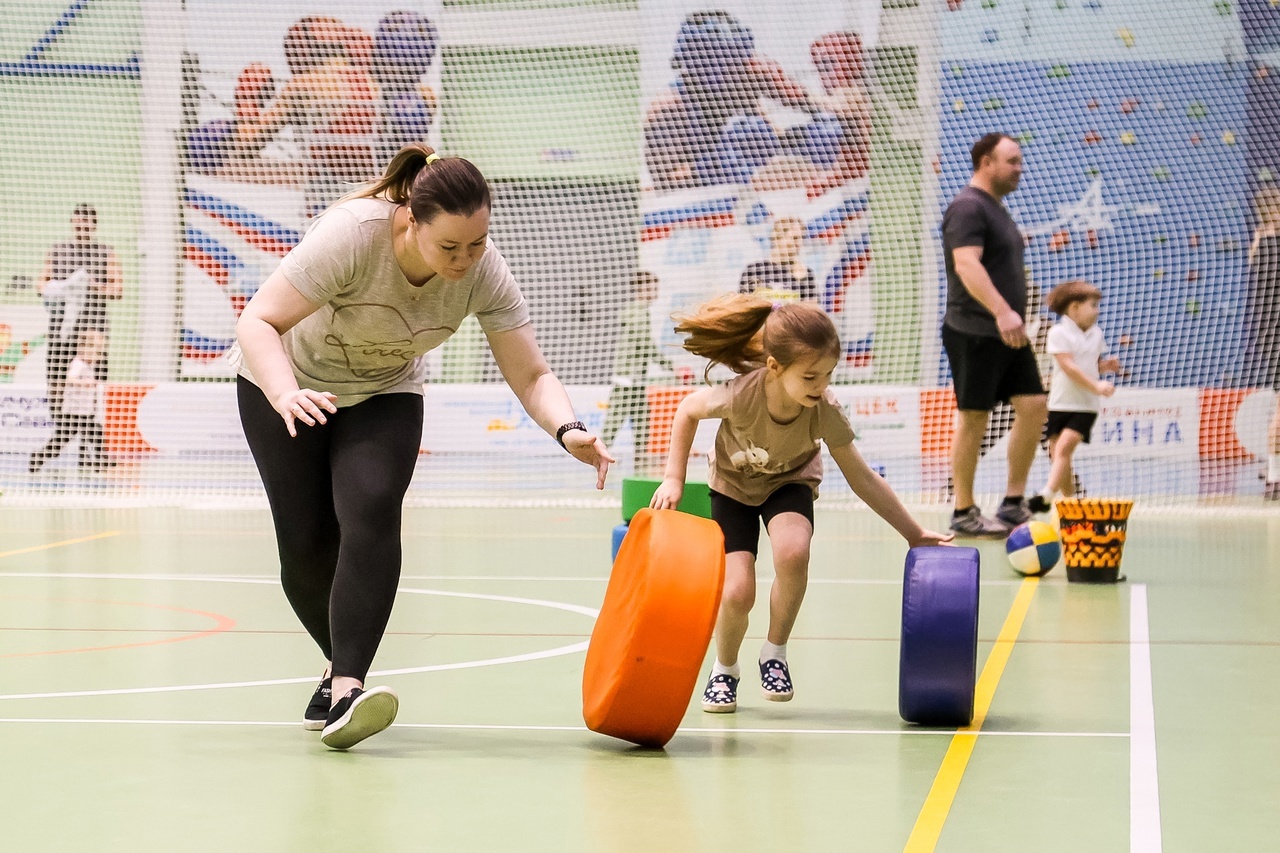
(1085, 348)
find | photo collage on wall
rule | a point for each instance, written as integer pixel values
(757, 150)
(288, 116)
(754, 170)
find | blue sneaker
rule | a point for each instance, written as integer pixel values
(721, 695)
(775, 681)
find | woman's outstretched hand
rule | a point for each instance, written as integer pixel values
(585, 447)
(306, 406)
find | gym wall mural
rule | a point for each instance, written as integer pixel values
(757, 151)
(286, 116)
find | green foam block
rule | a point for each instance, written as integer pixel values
(638, 491)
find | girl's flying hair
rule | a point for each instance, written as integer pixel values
(741, 331)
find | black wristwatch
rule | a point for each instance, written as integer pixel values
(571, 425)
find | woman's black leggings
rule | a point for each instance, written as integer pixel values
(336, 494)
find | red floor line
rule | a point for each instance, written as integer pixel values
(222, 625)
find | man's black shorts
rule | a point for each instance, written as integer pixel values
(740, 522)
(986, 372)
(1081, 422)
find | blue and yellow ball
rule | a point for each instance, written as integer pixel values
(1033, 548)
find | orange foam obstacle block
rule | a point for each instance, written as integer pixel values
(647, 647)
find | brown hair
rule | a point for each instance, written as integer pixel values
(984, 146)
(446, 185)
(1068, 293)
(741, 331)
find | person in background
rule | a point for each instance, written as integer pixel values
(1264, 320)
(635, 351)
(331, 101)
(985, 337)
(840, 62)
(81, 402)
(784, 270)
(709, 127)
(1076, 386)
(79, 278)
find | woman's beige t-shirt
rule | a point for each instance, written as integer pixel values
(374, 327)
(754, 454)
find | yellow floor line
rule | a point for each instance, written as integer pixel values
(50, 545)
(924, 835)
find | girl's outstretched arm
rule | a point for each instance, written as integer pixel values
(877, 494)
(692, 409)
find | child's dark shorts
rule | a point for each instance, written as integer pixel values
(1081, 422)
(740, 522)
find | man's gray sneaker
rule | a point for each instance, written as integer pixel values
(1014, 514)
(973, 524)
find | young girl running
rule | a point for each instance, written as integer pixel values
(767, 466)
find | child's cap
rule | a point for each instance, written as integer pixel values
(1066, 294)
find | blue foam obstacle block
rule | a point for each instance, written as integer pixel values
(618, 533)
(937, 667)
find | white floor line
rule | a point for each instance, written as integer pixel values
(579, 729)
(1144, 782)
(116, 576)
(571, 648)
(272, 579)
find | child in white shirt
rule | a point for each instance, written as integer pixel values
(80, 401)
(1076, 386)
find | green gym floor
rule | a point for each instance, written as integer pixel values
(152, 680)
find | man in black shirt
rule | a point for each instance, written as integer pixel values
(984, 334)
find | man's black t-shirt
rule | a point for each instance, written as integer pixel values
(1263, 313)
(974, 218)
